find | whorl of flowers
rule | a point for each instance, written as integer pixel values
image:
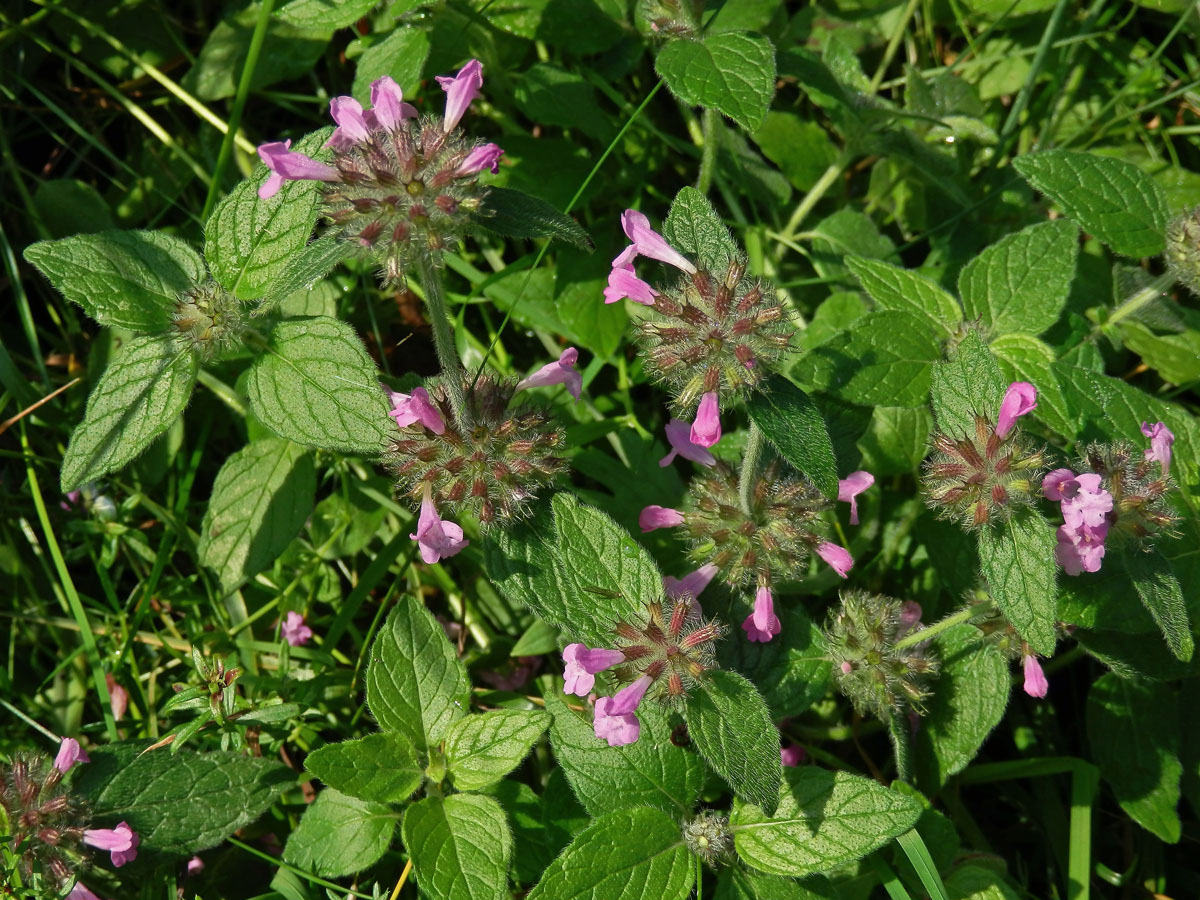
(708, 836)
(208, 319)
(45, 822)
(1182, 253)
(1138, 485)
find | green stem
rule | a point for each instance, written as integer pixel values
(923, 634)
(239, 104)
(1152, 291)
(893, 45)
(443, 336)
(699, 879)
(708, 153)
(1039, 60)
(818, 190)
(754, 449)
(901, 746)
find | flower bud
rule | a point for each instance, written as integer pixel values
(1183, 249)
(208, 319)
(708, 836)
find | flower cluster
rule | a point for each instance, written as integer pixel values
(208, 320)
(400, 186)
(1182, 252)
(1085, 507)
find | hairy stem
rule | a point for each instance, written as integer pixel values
(443, 336)
(708, 152)
(901, 746)
(923, 634)
(754, 449)
(1153, 290)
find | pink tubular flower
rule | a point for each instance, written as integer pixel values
(352, 127)
(582, 664)
(910, 617)
(416, 407)
(460, 90)
(1090, 505)
(850, 487)
(706, 428)
(615, 721)
(1161, 439)
(437, 538)
(623, 284)
(1080, 550)
(118, 697)
(485, 156)
(1036, 684)
(561, 372)
(649, 242)
(69, 753)
(80, 892)
(121, 842)
(839, 558)
(792, 755)
(693, 583)
(388, 106)
(679, 436)
(1060, 485)
(1020, 398)
(762, 624)
(288, 165)
(294, 631)
(195, 866)
(654, 517)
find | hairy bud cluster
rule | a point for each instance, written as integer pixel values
(876, 676)
(208, 319)
(708, 836)
(724, 332)
(673, 649)
(1138, 486)
(492, 465)
(672, 18)
(1183, 249)
(45, 823)
(995, 629)
(983, 478)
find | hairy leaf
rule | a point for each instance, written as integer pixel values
(482, 749)
(382, 767)
(969, 385)
(339, 835)
(694, 229)
(733, 72)
(460, 847)
(517, 214)
(892, 287)
(1160, 592)
(793, 424)
(1017, 558)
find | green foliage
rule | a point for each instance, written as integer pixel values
(967, 386)
(516, 214)
(731, 72)
(693, 227)
(910, 292)
(340, 834)
(379, 767)
(460, 847)
(482, 749)
(1017, 559)
(793, 424)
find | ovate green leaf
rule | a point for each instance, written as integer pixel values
(338, 835)
(732, 72)
(966, 386)
(792, 422)
(1017, 558)
(324, 15)
(1160, 592)
(460, 847)
(892, 287)
(517, 214)
(381, 767)
(482, 749)
(694, 229)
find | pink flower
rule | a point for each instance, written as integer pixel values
(653, 517)
(615, 721)
(437, 538)
(295, 632)
(1090, 505)
(692, 584)
(486, 156)
(839, 558)
(121, 842)
(416, 407)
(118, 697)
(352, 127)
(792, 755)
(561, 372)
(1020, 398)
(762, 624)
(460, 90)
(288, 165)
(388, 106)
(1036, 684)
(69, 753)
(850, 487)
(846, 667)
(910, 616)
(1161, 439)
(1080, 550)
(582, 664)
(1060, 485)
(649, 242)
(624, 284)
(195, 865)
(706, 428)
(80, 892)
(679, 436)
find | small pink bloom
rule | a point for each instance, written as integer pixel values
(792, 755)
(416, 407)
(910, 616)
(1161, 439)
(295, 632)
(615, 721)
(846, 667)
(582, 664)
(623, 284)
(287, 165)
(121, 842)
(1090, 505)
(1020, 398)
(437, 538)
(850, 487)
(460, 90)
(71, 498)
(352, 127)
(692, 584)
(679, 436)
(839, 558)
(388, 108)
(762, 624)
(69, 753)
(653, 517)
(1060, 485)
(486, 156)
(80, 892)
(195, 866)
(561, 372)
(1080, 550)
(650, 243)
(1036, 684)
(118, 697)
(706, 428)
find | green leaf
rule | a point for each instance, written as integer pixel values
(693, 228)
(259, 501)
(1018, 565)
(1176, 357)
(517, 214)
(324, 15)
(124, 279)
(884, 359)
(801, 148)
(550, 95)
(649, 772)
(298, 279)
(340, 835)
(627, 854)
(733, 73)
(317, 386)
(143, 390)
(380, 767)
(736, 883)
(460, 847)
(894, 288)
(542, 825)
(1021, 283)
(846, 232)
(69, 206)
(539, 639)
(401, 55)
(896, 440)
(966, 386)
(1161, 594)
(793, 424)
(416, 685)
(1133, 729)
(1109, 198)
(729, 723)
(967, 701)
(824, 820)
(521, 562)
(482, 749)
(978, 883)
(179, 803)
(1022, 357)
